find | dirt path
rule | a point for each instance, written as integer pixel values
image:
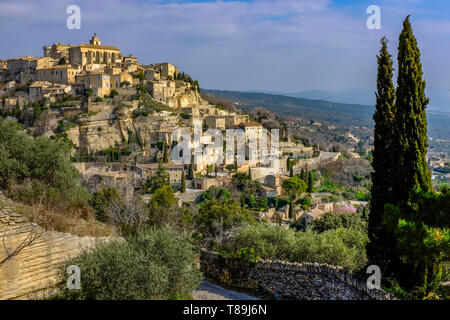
(209, 291)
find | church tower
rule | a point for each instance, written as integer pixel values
(95, 40)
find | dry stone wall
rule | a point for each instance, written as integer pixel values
(285, 280)
(34, 270)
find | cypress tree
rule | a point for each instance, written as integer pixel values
(191, 171)
(291, 209)
(166, 153)
(310, 183)
(411, 145)
(291, 171)
(249, 173)
(380, 248)
(410, 118)
(183, 182)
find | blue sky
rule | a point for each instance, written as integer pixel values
(279, 45)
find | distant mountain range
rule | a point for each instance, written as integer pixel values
(339, 113)
(439, 97)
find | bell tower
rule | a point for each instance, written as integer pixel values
(95, 40)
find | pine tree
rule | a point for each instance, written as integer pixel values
(410, 118)
(380, 248)
(183, 182)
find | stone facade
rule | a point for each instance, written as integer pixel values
(167, 70)
(292, 281)
(94, 53)
(64, 74)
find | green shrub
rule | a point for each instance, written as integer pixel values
(101, 200)
(29, 167)
(340, 247)
(214, 216)
(332, 221)
(156, 264)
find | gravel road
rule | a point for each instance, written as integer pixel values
(209, 291)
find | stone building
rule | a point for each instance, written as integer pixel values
(161, 90)
(215, 122)
(152, 74)
(167, 70)
(64, 74)
(45, 89)
(130, 63)
(117, 79)
(99, 83)
(148, 170)
(94, 53)
(23, 69)
(57, 51)
(236, 119)
(252, 130)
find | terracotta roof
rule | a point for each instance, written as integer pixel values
(266, 188)
(63, 66)
(94, 46)
(155, 166)
(40, 84)
(251, 124)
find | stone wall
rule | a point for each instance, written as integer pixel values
(34, 270)
(285, 280)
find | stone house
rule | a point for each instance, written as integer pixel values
(41, 89)
(175, 171)
(252, 130)
(236, 119)
(152, 74)
(161, 90)
(99, 83)
(64, 74)
(117, 79)
(215, 122)
(167, 70)
(205, 183)
(268, 192)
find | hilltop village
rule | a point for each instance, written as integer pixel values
(119, 116)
